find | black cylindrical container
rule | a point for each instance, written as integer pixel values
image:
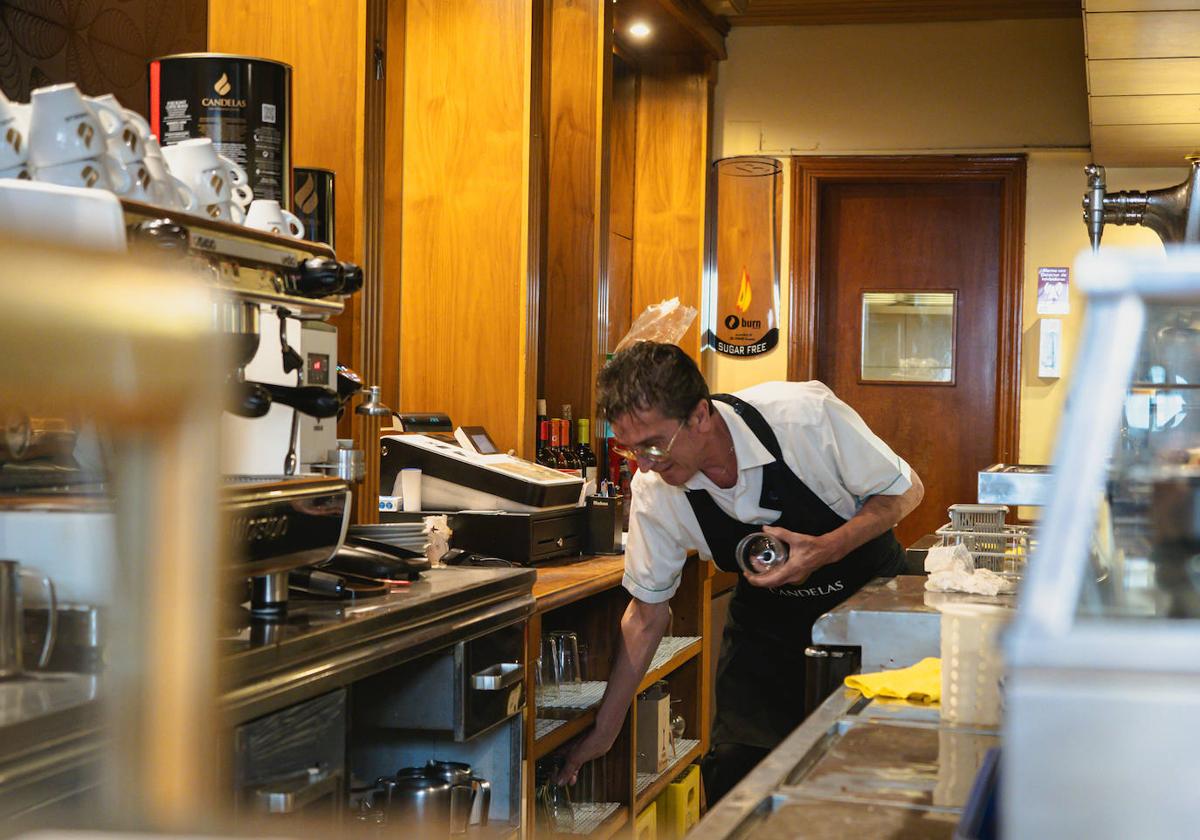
(244, 104)
(312, 201)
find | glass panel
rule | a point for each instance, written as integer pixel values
(1146, 549)
(908, 336)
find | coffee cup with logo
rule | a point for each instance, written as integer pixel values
(142, 186)
(20, 171)
(214, 178)
(104, 173)
(126, 139)
(14, 133)
(165, 189)
(64, 127)
(225, 211)
(266, 214)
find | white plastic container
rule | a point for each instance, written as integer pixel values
(971, 663)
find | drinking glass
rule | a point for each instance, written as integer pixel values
(568, 662)
(554, 808)
(548, 672)
(678, 726)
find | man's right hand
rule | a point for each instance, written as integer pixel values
(592, 745)
(642, 628)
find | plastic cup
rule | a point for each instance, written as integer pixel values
(971, 663)
(410, 488)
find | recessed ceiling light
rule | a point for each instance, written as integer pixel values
(639, 30)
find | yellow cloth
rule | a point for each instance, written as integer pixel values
(921, 683)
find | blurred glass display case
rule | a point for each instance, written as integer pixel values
(1102, 690)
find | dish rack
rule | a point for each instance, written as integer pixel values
(995, 545)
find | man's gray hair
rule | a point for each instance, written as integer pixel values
(647, 376)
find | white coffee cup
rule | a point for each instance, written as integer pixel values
(127, 140)
(14, 133)
(20, 171)
(224, 211)
(214, 178)
(65, 127)
(165, 189)
(266, 214)
(103, 173)
(142, 186)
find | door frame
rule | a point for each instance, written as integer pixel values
(808, 176)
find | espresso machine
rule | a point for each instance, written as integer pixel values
(288, 484)
(1173, 212)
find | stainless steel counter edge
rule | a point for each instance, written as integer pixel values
(753, 796)
(396, 645)
(399, 613)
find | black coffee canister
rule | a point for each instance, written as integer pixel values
(312, 201)
(244, 104)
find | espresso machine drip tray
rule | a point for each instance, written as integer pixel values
(280, 523)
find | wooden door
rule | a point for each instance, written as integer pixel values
(894, 228)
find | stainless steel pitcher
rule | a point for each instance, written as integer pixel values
(12, 618)
(466, 787)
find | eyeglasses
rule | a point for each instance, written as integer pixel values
(649, 454)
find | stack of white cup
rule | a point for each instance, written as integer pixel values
(63, 137)
(220, 185)
(68, 140)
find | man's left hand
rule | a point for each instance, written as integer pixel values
(806, 554)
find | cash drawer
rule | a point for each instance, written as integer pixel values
(525, 538)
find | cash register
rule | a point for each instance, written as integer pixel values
(499, 505)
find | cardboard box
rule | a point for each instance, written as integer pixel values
(653, 731)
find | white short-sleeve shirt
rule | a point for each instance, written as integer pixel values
(824, 442)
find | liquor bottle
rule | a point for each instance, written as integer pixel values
(544, 456)
(583, 450)
(541, 412)
(564, 436)
(560, 461)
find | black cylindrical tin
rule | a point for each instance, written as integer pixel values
(244, 104)
(312, 201)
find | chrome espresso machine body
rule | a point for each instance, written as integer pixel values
(287, 482)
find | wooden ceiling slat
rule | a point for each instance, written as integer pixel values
(823, 12)
(1138, 5)
(1144, 76)
(1145, 110)
(1143, 34)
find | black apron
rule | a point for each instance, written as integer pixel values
(760, 674)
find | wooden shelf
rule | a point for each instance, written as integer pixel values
(664, 663)
(609, 826)
(651, 785)
(493, 831)
(561, 734)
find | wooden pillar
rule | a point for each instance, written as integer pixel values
(468, 328)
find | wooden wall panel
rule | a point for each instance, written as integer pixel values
(574, 229)
(623, 141)
(393, 201)
(101, 45)
(669, 204)
(464, 312)
(620, 288)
